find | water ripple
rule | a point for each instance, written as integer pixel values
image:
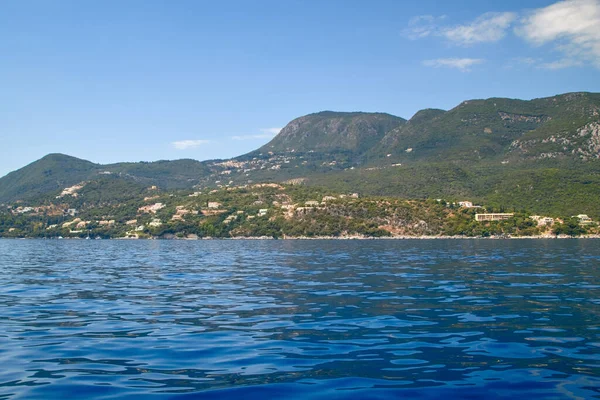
(299, 319)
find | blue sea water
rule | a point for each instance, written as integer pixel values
(322, 319)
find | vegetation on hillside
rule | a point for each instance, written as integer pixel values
(272, 210)
(541, 155)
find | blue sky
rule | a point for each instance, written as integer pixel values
(147, 80)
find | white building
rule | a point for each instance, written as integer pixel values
(214, 204)
(155, 222)
(542, 221)
(583, 219)
(493, 216)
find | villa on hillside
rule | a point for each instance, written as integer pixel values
(583, 219)
(493, 217)
(543, 221)
(467, 204)
(153, 208)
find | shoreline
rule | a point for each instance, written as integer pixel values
(401, 237)
(424, 237)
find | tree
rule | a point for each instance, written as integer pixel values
(570, 227)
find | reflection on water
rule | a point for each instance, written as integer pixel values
(300, 319)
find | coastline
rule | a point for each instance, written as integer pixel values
(400, 237)
(424, 237)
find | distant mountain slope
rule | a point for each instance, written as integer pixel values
(55, 172)
(542, 154)
(329, 131)
(488, 129)
(50, 173)
(174, 174)
(542, 187)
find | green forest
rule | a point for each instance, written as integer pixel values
(113, 208)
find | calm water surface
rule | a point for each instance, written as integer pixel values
(424, 319)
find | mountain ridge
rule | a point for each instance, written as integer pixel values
(481, 147)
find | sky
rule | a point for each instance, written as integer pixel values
(134, 80)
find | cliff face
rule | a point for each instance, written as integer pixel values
(334, 131)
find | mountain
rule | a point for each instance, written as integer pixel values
(542, 155)
(498, 128)
(329, 131)
(54, 172)
(176, 174)
(50, 173)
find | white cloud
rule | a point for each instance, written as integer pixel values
(272, 131)
(526, 60)
(189, 144)
(560, 64)
(523, 62)
(489, 27)
(267, 133)
(462, 64)
(423, 26)
(249, 137)
(573, 26)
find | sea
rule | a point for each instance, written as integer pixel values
(300, 319)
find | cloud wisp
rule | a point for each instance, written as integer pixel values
(423, 26)
(271, 131)
(250, 137)
(189, 144)
(489, 27)
(462, 64)
(267, 133)
(572, 26)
